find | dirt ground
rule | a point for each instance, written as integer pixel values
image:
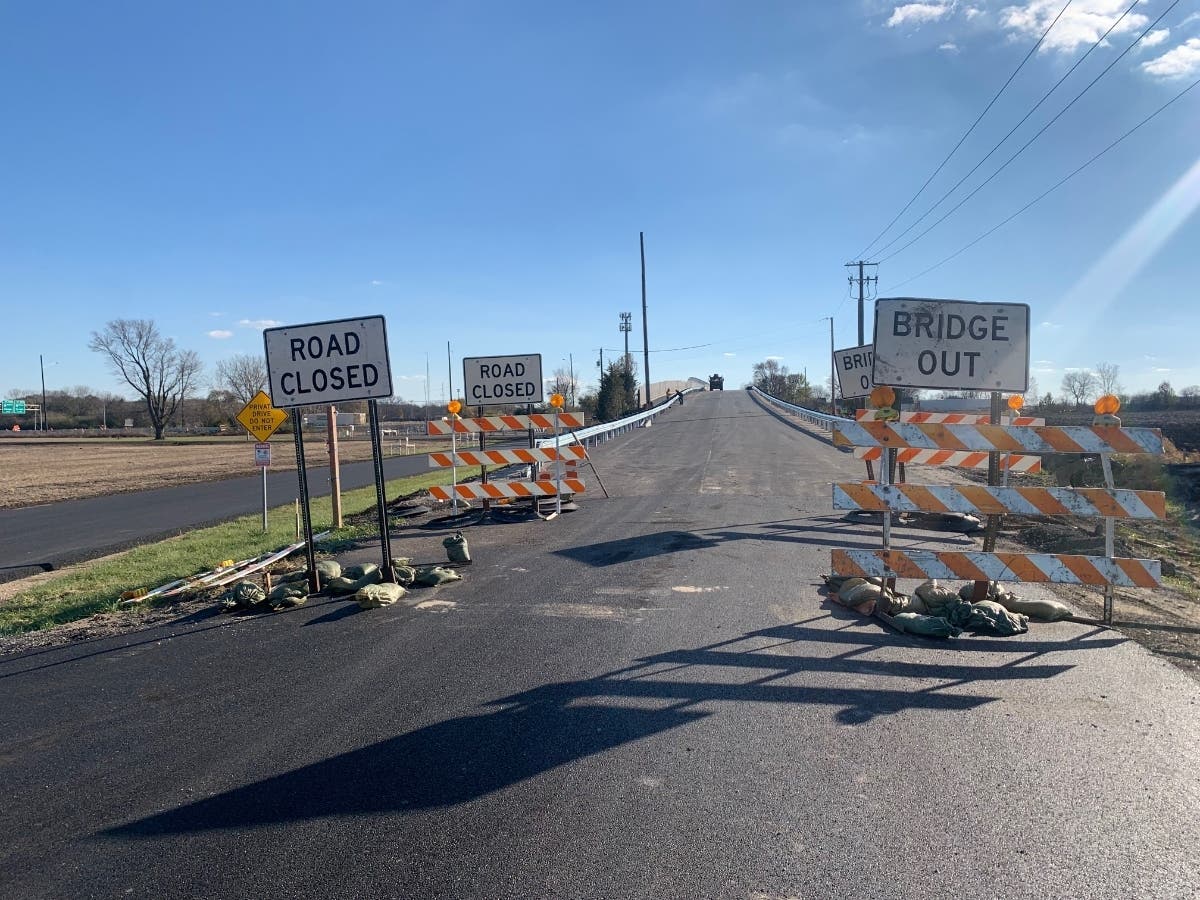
(48, 470)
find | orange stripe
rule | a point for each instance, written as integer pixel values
(842, 564)
(943, 438)
(998, 437)
(863, 497)
(981, 499)
(1021, 567)
(962, 567)
(1137, 572)
(1044, 502)
(923, 498)
(1120, 441)
(1103, 501)
(1083, 569)
(1058, 439)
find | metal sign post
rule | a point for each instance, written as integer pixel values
(385, 537)
(262, 459)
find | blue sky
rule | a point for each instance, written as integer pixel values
(479, 172)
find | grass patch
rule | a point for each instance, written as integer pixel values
(97, 587)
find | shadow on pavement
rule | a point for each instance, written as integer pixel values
(532, 732)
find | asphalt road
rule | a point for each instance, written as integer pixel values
(647, 698)
(56, 534)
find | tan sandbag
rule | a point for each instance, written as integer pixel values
(328, 568)
(340, 586)
(356, 572)
(373, 596)
(937, 598)
(1043, 610)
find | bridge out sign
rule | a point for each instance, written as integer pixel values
(853, 367)
(951, 344)
(491, 380)
(328, 362)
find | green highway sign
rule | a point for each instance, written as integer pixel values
(12, 407)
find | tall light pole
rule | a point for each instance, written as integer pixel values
(42, 369)
(645, 327)
(832, 369)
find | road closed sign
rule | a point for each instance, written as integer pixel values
(491, 380)
(853, 367)
(328, 362)
(951, 344)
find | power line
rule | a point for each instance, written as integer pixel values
(1036, 135)
(1048, 191)
(966, 134)
(1024, 119)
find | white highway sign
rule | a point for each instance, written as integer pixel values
(490, 380)
(951, 344)
(853, 366)
(328, 362)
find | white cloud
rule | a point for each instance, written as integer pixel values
(971, 12)
(1179, 62)
(1049, 325)
(775, 357)
(220, 334)
(259, 323)
(918, 13)
(1080, 26)
(216, 315)
(1155, 37)
(729, 354)
(1160, 371)
(949, 47)
(375, 282)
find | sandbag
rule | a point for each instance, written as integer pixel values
(294, 575)
(927, 626)
(988, 617)
(374, 596)
(243, 595)
(935, 597)
(328, 568)
(1045, 610)
(374, 576)
(356, 572)
(404, 575)
(286, 596)
(339, 586)
(457, 550)
(431, 576)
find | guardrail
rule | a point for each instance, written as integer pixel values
(595, 434)
(824, 420)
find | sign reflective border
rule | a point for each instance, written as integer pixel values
(496, 380)
(328, 362)
(951, 344)
(853, 367)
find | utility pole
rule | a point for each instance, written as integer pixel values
(832, 369)
(645, 327)
(864, 281)
(571, 361)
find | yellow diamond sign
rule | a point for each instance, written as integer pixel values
(260, 418)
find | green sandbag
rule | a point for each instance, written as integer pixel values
(286, 596)
(242, 595)
(374, 576)
(404, 575)
(328, 568)
(339, 586)
(373, 596)
(1045, 610)
(288, 589)
(927, 626)
(856, 594)
(936, 598)
(431, 576)
(988, 617)
(294, 575)
(356, 572)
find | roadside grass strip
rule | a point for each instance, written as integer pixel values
(97, 586)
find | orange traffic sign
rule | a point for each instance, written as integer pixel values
(260, 418)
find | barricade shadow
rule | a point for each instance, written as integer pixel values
(524, 735)
(852, 535)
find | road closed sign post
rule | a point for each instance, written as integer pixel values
(332, 362)
(853, 367)
(493, 380)
(951, 344)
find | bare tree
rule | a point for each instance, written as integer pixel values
(242, 376)
(1079, 385)
(150, 363)
(1106, 376)
(562, 383)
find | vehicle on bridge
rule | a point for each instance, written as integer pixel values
(716, 383)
